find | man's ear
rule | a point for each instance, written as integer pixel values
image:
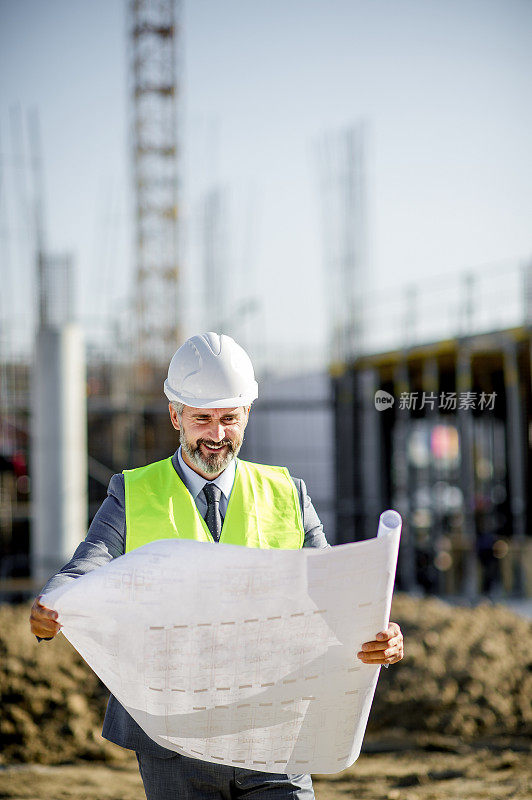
(173, 416)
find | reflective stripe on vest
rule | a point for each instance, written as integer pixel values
(263, 509)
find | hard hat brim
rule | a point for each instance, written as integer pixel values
(212, 402)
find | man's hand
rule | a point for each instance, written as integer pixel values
(387, 648)
(43, 620)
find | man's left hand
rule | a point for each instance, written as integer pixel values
(386, 648)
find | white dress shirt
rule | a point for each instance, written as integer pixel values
(195, 484)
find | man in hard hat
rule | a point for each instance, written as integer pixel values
(202, 492)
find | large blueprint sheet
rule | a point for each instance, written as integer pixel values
(238, 656)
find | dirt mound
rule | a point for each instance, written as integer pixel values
(52, 703)
(467, 672)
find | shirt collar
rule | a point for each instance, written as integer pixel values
(195, 482)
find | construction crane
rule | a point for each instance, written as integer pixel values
(153, 32)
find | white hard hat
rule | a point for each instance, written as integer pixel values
(211, 371)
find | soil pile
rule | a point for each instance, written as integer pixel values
(466, 672)
(52, 703)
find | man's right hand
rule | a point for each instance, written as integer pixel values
(43, 620)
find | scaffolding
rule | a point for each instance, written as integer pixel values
(342, 165)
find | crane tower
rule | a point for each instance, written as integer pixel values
(153, 69)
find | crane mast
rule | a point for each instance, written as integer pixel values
(153, 28)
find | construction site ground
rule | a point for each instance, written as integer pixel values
(445, 771)
(453, 720)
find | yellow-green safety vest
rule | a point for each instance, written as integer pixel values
(263, 510)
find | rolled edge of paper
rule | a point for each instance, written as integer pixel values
(390, 522)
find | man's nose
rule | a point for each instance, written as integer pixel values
(217, 432)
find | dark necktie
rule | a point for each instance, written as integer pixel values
(213, 517)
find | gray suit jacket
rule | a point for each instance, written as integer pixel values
(106, 540)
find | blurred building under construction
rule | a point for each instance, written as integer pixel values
(440, 430)
(437, 429)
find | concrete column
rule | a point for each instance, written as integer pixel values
(59, 449)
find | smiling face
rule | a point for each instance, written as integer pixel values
(210, 437)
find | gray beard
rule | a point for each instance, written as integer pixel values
(215, 462)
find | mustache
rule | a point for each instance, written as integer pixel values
(210, 443)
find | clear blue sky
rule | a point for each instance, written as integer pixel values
(444, 86)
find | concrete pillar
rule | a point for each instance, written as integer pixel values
(59, 449)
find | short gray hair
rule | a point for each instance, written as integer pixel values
(178, 408)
